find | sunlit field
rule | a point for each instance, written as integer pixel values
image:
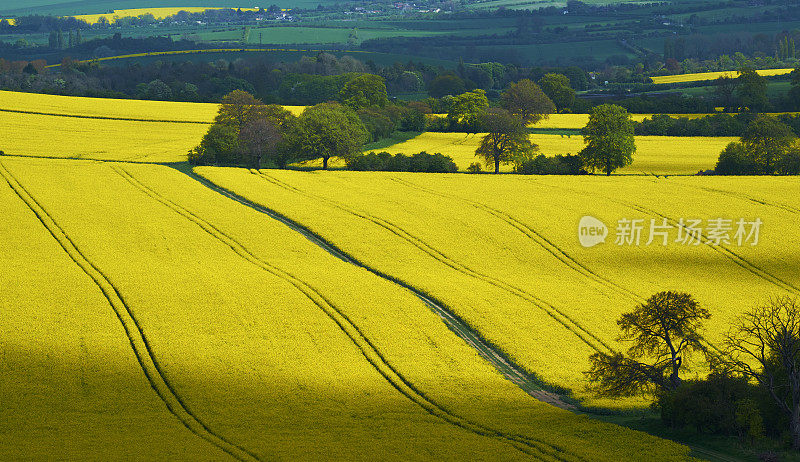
(258, 343)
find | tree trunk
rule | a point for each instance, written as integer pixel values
(324, 163)
(496, 165)
(795, 428)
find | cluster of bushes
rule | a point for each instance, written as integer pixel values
(559, 165)
(723, 404)
(767, 147)
(420, 162)
(720, 124)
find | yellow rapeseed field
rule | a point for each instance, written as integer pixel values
(113, 108)
(681, 78)
(503, 253)
(56, 136)
(158, 13)
(573, 121)
(660, 155)
(279, 349)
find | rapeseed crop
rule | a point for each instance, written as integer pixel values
(281, 349)
(700, 76)
(503, 265)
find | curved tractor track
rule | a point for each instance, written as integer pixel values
(583, 334)
(526, 444)
(133, 330)
(505, 365)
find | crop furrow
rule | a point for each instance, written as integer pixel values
(565, 320)
(557, 252)
(372, 354)
(133, 330)
(725, 251)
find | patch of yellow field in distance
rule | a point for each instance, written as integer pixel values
(114, 108)
(158, 13)
(661, 155)
(101, 139)
(681, 78)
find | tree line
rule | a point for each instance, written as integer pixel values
(753, 390)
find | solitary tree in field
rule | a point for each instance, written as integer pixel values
(764, 346)
(240, 107)
(527, 101)
(506, 141)
(327, 130)
(663, 331)
(767, 140)
(725, 91)
(609, 139)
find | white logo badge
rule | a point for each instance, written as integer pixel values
(591, 231)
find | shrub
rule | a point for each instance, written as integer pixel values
(474, 167)
(420, 162)
(559, 165)
(734, 161)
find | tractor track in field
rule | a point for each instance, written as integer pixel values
(141, 347)
(567, 322)
(531, 446)
(721, 249)
(546, 244)
(745, 197)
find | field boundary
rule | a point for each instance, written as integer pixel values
(133, 330)
(98, 117)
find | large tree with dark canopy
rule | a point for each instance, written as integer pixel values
(327, 130)
(609, 139)
(662, 332)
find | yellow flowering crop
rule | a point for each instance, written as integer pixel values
(681, 78)
(280, 349)
(661, 155)
(158, 13)
(502, 251)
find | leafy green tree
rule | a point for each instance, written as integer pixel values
(663, 331)
(467, 109)
(445, 85)
(609, 139)
(327, 130)
(507, 139)
(733, 160)
(240, 107)
(364, 91)
(558, 88)
(752, 90)
(220, 145)
(766, 141)
(527, 101)
(725, 91)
